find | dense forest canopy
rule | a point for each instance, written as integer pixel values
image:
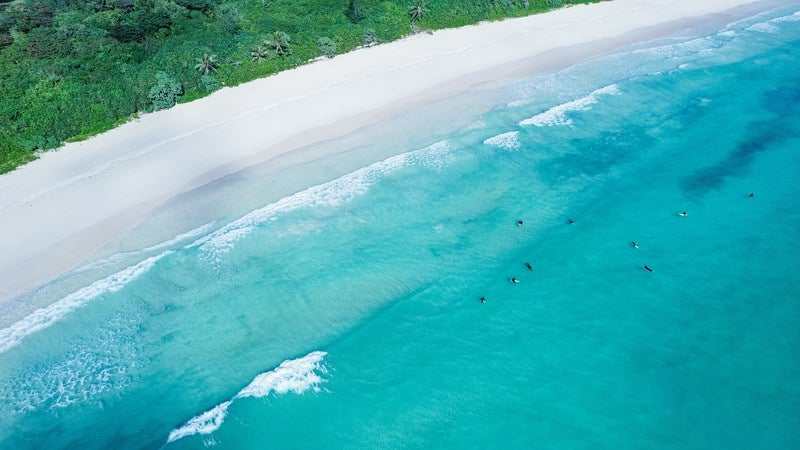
(70, 69)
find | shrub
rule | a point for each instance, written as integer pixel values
(196, 5)
(138, 25)
(5, 40)
(12, 154)
(369, 37)
(353, 12)
(45, 43)
(166, 92)
(230, 18)
(327, 46)
(210, 83)
(21, 17)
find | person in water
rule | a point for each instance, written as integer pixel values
(529, 266)
(683, 214)
(635, 244)
(513, 280)
(752, 195)
(647, 268)
(519, 223)
(483, 299)
(570, 221)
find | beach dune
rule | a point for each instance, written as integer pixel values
(59, 211)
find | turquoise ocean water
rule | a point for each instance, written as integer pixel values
(347, 314)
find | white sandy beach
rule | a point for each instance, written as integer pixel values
(59, 211)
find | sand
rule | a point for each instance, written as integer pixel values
(59, 211)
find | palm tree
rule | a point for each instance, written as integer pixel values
(279, 43)
(259, 54)
(417, 11)
(206, 64)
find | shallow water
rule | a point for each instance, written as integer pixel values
(347, 314)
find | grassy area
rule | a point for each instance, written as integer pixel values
(70, 69)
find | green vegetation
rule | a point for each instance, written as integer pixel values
(354, 12)
(207, 64)
(166, 92)
(70, 69)
(417, 11)
(327, 46)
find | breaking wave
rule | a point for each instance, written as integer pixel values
(293, 375)
(507, 141)
(331, 194)
(47, 316)
(557, 115)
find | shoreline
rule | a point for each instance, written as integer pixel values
(59, 211)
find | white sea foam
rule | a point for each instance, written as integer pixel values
(557, 115)
(763, 27)
(543, 85)
(681, 52)
(333, 193)
(199, 231)
(205, 423)
(507, 141)
(748, 20)
(788, 18)
(47, 316)
(293, 375)
(81, 375)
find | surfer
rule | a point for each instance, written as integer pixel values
(570, 221)
(635, 244)
(647, 268)
(519, 223)
(483, 299)
(683, 214)
(513, 280)
(529, 266)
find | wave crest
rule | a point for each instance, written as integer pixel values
(47, 316)
(763, 27)
(507, 141)
(293, 375)
(331, 194)
(205, 423)
(557, 115)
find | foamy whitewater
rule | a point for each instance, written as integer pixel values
(559, 115)
(331, 194)
(295, 376)
(508, 141)
(195, 342)
(45, 317)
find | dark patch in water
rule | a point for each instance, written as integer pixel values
(785, 99)
(735, 164)
(594, 156)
